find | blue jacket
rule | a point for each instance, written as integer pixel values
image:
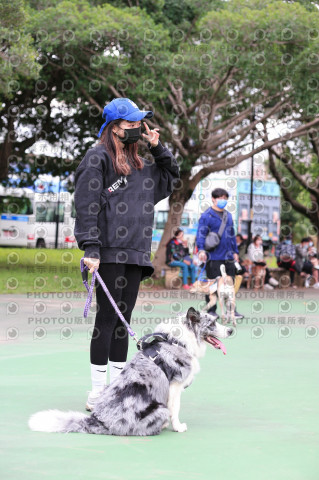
(210, 221)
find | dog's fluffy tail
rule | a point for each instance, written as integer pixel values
(223, 271)
(57, 421)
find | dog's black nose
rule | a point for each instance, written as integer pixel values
(230, 331)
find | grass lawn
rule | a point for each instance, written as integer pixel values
(41, 270)
(47, 270)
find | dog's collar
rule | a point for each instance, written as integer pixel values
(145, 341)
(151, 350)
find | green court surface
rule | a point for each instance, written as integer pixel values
(252, 414)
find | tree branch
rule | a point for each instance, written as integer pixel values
(288, 197)
(192, 107)
(166, 125)
(212, 100)
(244, 130)
(314, 143)
(219, 163)
(294, 173)
(101, 77)
(85, 93)
(242, 133)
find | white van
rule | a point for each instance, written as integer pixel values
(29, 219)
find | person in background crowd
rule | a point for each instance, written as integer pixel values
(311, 248)
(314, 260)
(187, 257)
(226, 252)
(286, 256)
(241, 245)
(303, 264)
(177, 255)
(240, 272)
(255, 254)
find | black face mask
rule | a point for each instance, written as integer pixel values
(131, 135)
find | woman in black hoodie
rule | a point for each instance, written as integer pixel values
(115, 194)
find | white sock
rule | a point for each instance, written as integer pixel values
(98, 377)
(115, 369)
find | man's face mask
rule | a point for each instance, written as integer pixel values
(131, 135)
(221, 203)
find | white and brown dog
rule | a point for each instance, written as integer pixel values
(226, 296)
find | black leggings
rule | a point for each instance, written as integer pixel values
(110, 338)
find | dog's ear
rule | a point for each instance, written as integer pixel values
(193, 315)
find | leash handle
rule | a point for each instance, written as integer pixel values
(202, 273)
(95, 274)
(84, 273)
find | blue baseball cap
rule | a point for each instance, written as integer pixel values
(123, 108)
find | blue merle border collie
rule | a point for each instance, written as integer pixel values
(146, 395)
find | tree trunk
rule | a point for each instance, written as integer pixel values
(316, 227)
(176, 207)
(6, 148)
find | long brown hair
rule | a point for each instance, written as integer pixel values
(122, 158)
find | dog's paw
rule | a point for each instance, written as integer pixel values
(180, 428)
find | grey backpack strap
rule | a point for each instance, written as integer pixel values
(213, 238)
(223, 224)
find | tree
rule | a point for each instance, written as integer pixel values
(296, 169)
(205, 70)
(17, 56)
(251, 60)
(88, 55)
(310, 5)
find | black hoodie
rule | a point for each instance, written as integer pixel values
(114, 213)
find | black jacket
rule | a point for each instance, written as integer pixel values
(175, 251)
(115, 214)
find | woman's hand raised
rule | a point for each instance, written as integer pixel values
(151, 135)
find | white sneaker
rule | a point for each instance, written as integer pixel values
(316, 285)
(273, 282)
(308, 281)
(268, 287)
(92, 399)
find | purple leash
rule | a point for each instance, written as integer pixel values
(95, 274)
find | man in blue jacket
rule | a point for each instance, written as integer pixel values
(226, 251)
